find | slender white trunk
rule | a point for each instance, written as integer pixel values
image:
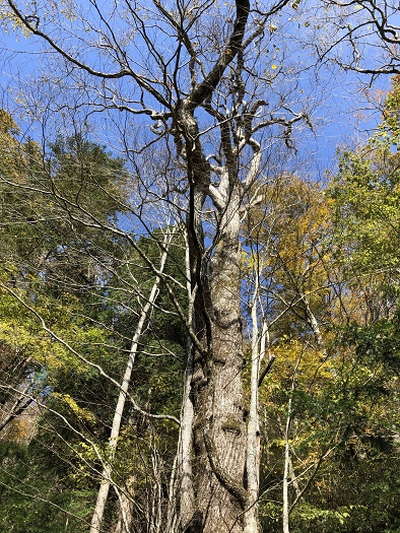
(285, 490)
(293, 476)
(285, 510)
(172, 515)
(313, 323)
(185, 449)
(155, 522)
(105, 484)
(125, 515)
(253, 429)
(181, 485)
(287, 461)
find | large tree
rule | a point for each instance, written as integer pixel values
(204, 90)
(195, 79)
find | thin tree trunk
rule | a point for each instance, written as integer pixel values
(286, 468)
(105, 484)
(253, 429)
(287, 460)
(181, 496)
(293, 477)
(313, 323)
(125, 514)
(15, 405)
(186, 494)
(172, 506)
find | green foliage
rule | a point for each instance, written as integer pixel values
(367, 196)
(34, 496)
(332, 255)
(75, 280)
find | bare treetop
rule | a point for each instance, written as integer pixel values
(366, 35)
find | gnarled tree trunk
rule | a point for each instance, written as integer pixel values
(219, 429)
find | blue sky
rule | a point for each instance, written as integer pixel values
(341, 117)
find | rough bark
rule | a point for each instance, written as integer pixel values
(219, 430)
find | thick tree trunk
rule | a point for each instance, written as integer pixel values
(219, 430)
